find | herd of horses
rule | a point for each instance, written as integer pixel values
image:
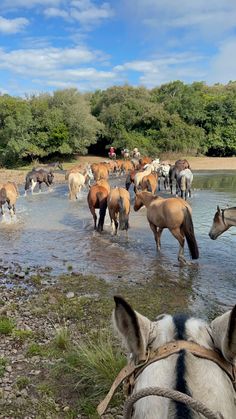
(189, 363)
(173, 213)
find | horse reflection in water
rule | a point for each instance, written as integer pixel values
(119, 208)
(223, 220)
(171, 213)
(176, 353)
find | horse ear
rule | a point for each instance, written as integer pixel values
(224, 334)
(218, 208)
(133, 328)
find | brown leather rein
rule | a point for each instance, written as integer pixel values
(131, 371)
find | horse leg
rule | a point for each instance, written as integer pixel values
(33, 184)
(159, 184)
(154, 230)
(178, 234)
(159, 231)
(93, 212)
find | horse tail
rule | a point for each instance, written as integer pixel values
(128, 182)
(73, 190)
(102, 213)
(123, 217)
(188, 230)
(149, 186)
(3, 195)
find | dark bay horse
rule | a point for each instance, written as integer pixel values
(38, 176)
(174, 171)
(97, 199)
(118, 203)
(222, 221)
(171, 213)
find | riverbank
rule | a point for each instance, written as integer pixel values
(196, 163)
(57, 345)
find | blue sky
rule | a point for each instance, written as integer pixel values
(47, 45)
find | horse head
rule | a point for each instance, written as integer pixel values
(155, 351)
(218, 226)
(138, 202)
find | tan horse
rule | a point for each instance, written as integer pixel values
(139, 176)
(8, 195)
(100, 171)
(149, 183)
(118, 203)
(127, 166)
(171, 213)
(222, 221)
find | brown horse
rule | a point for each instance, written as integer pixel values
(97, 198)
(145, 160)
(149, 183)
(130, 179)
(104, 183)
(118, 203)
(171, 213)
(8, 195)
(127, 166)
(100, 171)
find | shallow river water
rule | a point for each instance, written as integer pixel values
(51, 231)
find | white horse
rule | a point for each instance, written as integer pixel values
(163, 172)
(184, 180)
(77, 180)
(182, 353)
(154, 165)
(139, 176)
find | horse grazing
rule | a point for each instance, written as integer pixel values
(171, 213)
(97, 199)
(184, 180)
(76, 181)
(175, 170)
(176, 356)
(8, 195)
(55, 165)
(149, 182)
(118, 203)
(222, 221)
(38, 176)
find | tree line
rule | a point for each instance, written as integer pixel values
(175, 117)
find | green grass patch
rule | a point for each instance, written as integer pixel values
(6, 325)
(3, 364)
(62, 338)
(22, 382)
(23, 335)
(34, 349)
(89, 371)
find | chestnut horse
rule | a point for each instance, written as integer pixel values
(97, 199)
(171, 213)
(118, 203)
(149, 182)
(8, 195)
(100, 171)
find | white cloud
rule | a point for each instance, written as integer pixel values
(223, 65)
(86, 12)
(18, 4)
(211, 17)
(11, 26)
(154, 72)
(58, 67)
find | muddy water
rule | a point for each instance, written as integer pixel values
(52, 231)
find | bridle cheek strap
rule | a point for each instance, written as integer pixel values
(164, 352)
